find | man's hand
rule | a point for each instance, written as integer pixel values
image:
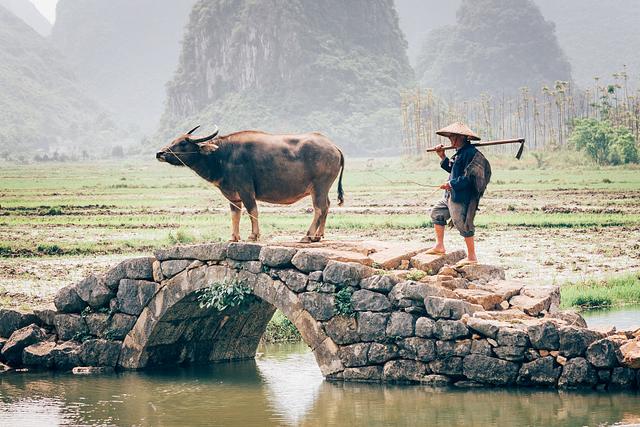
(446, 186)
(440, 151)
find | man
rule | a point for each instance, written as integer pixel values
(461, 196)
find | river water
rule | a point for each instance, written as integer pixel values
(283, 386)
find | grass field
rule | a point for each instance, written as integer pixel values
(60, 221)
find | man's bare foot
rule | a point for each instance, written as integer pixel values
(234, 239)
(466, 261)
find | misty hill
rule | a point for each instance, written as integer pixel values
(331, 66)
(419, 17)
(26, 11)
(42, 103)
(598, 36)
(495, 46)
(125, 51)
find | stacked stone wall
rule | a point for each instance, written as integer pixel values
(465, 326)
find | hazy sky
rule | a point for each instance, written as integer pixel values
(47, 8)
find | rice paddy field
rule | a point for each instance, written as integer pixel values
(569, 221)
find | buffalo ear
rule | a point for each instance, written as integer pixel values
(207, 147)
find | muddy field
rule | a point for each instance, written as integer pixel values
(60, 221)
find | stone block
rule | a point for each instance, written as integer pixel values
(327, 357)
(100, 352)
(19, 340)
(70, 326)
(66, 355)
(448, 308)
(320, 306)
(450, 366)
(12, 320)
(570, 317)
(364, 300)
(134, 295)
(577, 372)
(295, 280)
(481, 346)
(308, 261)
(120, 326)
(544, 335)
(623, 378)
(364, 373)
(435, 380)
(206, 252)
(134, 268)
(433, 263)
(67, 300)
(486, 299)
(400, 324)
(372, 326)
(346, 273)
(450, 330)
(241, 251)
(354, 355)
(418, 292)
(512, 353)
(631, 354)
(172, 267)
(604, 353)
(45, 315)
(379, 283)
(315, 276)
(404, 371)
(540, 372)
(380, 353)
(421, 349)
(425, 327)
(342, 329)
(460, 348)
(277, 256)
(92, 370)
(485, 327)
(574, 341)
(481, 272)
(39, 355)
(94, 291)
(97, 323)
(512, 337)
(489, 370)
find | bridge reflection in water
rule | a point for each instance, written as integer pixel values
(285, 387)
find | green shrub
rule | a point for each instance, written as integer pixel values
(281, 329)
(604, 143)
(344, 306)
(223, 295)
(416, 275)
(181, 236)
(48, 249)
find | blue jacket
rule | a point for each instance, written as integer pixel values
(462, 190)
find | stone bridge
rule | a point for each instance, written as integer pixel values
(369, 311)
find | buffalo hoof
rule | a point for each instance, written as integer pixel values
(254, 237)
(310, 239)
(234, 239)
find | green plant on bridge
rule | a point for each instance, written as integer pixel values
(344, 306)
(225, 294)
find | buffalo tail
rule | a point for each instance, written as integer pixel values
(340, 190)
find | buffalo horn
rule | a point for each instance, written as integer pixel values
(207, 138)
(193, 130)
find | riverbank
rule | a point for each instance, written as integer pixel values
(611, 292)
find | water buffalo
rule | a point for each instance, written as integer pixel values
(250, 165)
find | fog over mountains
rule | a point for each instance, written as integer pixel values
(128, 69)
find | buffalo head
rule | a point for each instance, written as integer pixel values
(182, 148)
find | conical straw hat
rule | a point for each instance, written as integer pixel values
(458, 128)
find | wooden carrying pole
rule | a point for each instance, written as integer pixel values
(487, 143)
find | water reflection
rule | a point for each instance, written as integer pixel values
(284, 387)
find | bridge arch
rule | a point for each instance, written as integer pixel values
(174, 329)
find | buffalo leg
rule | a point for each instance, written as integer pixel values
(252, 208)
(320, 209)
(236, 212)
(323, 220)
